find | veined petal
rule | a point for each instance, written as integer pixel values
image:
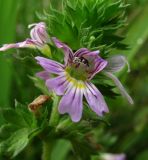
(50, 65)
(43, 75)
(67, 51)
(95, 99)
(84, 51)
(28, 43)
(39, 37)
(58, 84)
(117, 63)
(120, 87)
(8, 46)
(39, 33)
(71, 103)
(99, 65)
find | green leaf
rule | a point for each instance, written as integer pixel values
(13, 117)
(81, 20)
(5, 131)
(15, 143)
(17, 130)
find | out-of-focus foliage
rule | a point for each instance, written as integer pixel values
(126, 126)
(8, 33)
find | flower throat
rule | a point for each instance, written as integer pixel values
(78, 68)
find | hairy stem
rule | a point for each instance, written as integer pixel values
(54, 118)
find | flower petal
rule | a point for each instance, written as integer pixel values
(120, 87)
(110, 156)
(116, 63)
(50, 65)
(67, 50)
(58, 84)
(39, 37)
(95, 62)
(28, 43)
(71, 103)
(8, 46)
(95, 99)
(99, 65)
(39, 33)
(43, 75)
(84, 51)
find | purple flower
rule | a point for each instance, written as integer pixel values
(109, 156)
(115, 64)
(39, 39)
(72, 79)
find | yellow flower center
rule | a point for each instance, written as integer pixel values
(74, 81)
(78, 73)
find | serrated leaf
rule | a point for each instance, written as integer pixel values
(15, 133)
(15, 143)
(70, 23)
(13, 117)
(5, 131)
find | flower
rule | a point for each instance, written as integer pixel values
(73, 80)
(39, 39)
(109, 156)
(115, 64)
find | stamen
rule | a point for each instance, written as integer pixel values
(80, 60)
(76, 60)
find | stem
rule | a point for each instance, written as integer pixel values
(47, 150)
(54, 118)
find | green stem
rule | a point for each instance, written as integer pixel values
(54, 118)
(47, 150)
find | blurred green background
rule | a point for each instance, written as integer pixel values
(128, 131)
